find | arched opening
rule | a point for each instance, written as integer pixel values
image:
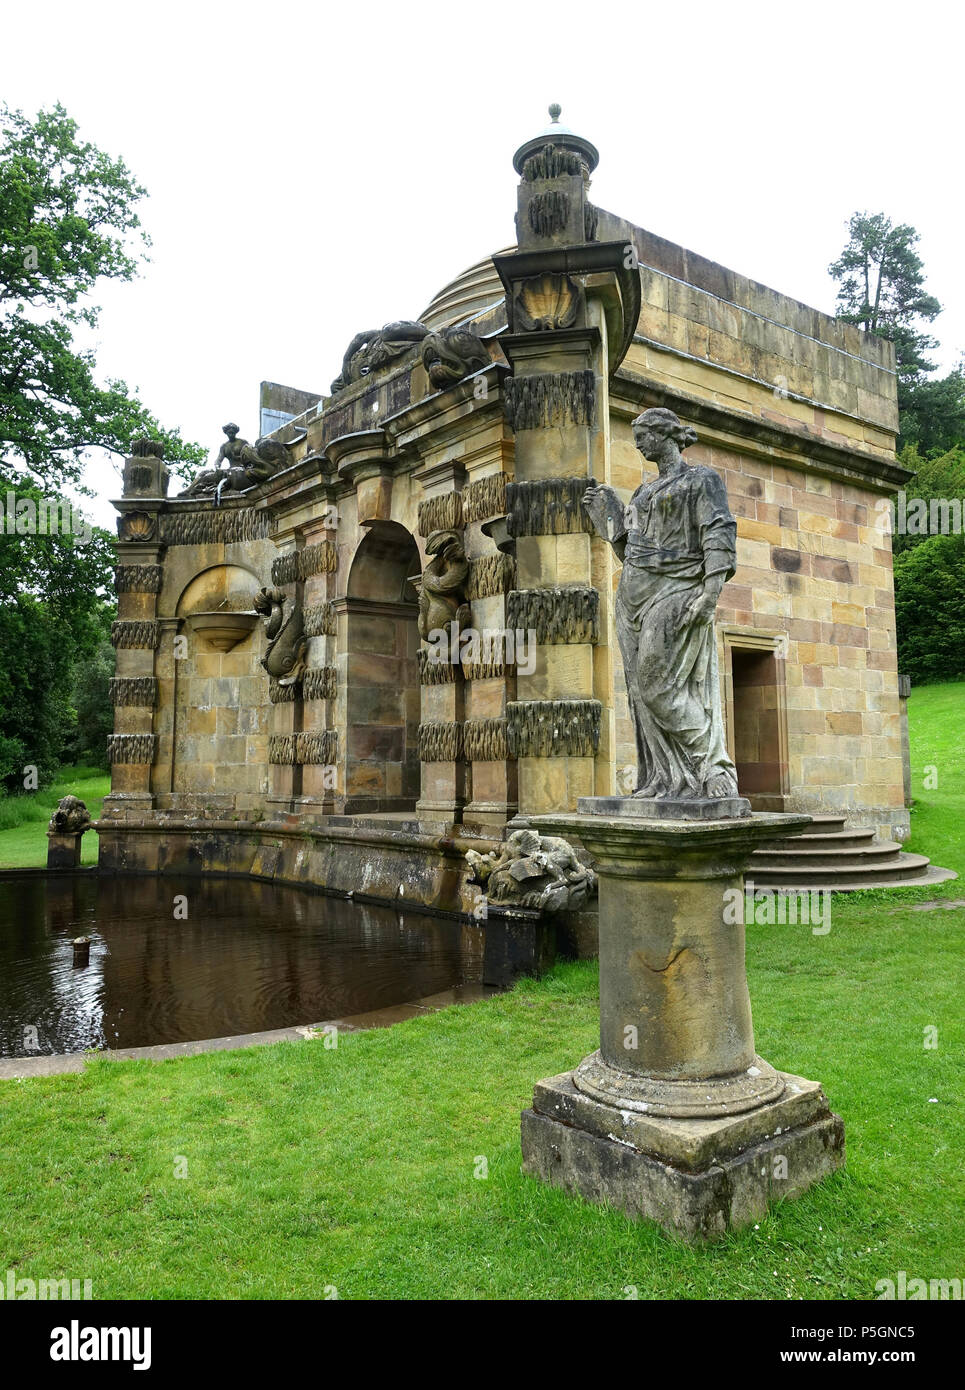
(382, 672)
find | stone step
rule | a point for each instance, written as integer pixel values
(834, 839)
(900, 869)
(808, 854)
(925, 878)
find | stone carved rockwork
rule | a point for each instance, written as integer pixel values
(442, 513)
(553, 728)
(490, 575)
(547, 507)
(545, 302)
(538, 872)
(484, 741)
(440, 743)
(246, 466)
(316, 748)
(71, 817)
(145, 448)
(320, 620)
(484, 498)
(375, 348)
(143, 636)
(131, 748)
(320, 683)
(442, 596)
(432, 671)
(552, 162)
(556, 615)
(549, 398)
(139, 692)
(549, 212)
(287, 650)
(451, 355)
(677, 541)
(138, 579)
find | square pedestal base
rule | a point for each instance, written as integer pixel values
(697, 1179)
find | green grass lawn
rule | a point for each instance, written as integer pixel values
(23, 819)
(355, 1168)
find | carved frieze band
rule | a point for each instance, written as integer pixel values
(435, 672)
(553, 728)
(484, 498)
(556, 615)
(143, 635)
(319, 683)
(319, 747)
(139, 691)
(131, 748)
(440, 743)
(320, 620)
(443, 513)
(549, 398)
(491, 574)
(484, 740)
(302, 564)
(547, 507)
(138, 579)
(217, 526)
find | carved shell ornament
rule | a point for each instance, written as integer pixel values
(136, 526)
(547, 302)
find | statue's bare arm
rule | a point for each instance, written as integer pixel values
(605, 510)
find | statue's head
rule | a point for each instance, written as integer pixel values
(654, 428)
(230, 430)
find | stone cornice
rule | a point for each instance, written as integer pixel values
(763, 439)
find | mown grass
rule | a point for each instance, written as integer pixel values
(356, 1168)
(23, 818)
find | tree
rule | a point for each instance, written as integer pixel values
(68, 221)
(930, 609)
(881, 286)
(933, 419)
(54, 618)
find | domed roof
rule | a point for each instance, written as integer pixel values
(470, 294)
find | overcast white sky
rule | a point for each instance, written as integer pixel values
(315, 171)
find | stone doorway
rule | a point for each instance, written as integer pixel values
(381, 678)
(757, 719)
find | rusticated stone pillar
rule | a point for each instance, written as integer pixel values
(572, 304)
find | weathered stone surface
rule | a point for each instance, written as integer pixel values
(695, 1205)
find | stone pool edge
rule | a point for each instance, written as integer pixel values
(65, 1063)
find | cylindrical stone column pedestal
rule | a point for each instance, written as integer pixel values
(676, 1117)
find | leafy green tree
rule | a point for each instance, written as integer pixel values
(933, 419)
(54, 611)
(68, 221)
(93, 711)
(930, 609)
(881, 286)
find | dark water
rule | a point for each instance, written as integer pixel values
(250, 956)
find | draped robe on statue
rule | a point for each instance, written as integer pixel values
(678, 529)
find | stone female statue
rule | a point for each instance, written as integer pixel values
(676, 538)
